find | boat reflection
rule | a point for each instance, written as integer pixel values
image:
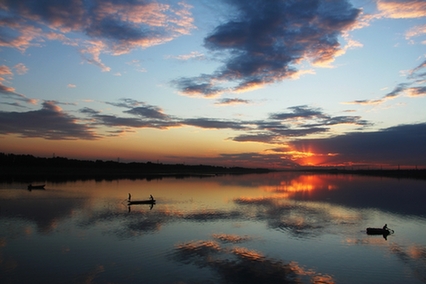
(151, 201)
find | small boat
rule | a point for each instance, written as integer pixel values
(31, 187)
(148, 201)
(378, 231)
(141, 202)
(385, 231)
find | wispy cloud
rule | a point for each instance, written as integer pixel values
(9, 93)
(414, 88)
(20, 68)
(192, 55)
(263, 43)
(228, 101)
(299, 121)
(398, 9)
(113, 27)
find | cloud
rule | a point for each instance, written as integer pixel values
(9, 92)
(214, 123)
(20, 68)
(242, 265)
(416, 91)
(415, 31)
(148, 112)
(50, 122)
(192, 55)
(143, 116)
(402, 9)
(114, 27)
(263, 43)
(402, 144)
(414, 88)
(299, 112)
(227, 101)
(71, 86)
(202, 85)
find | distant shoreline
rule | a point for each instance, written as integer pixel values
(27, 168)
(54, 174)
(31, 174)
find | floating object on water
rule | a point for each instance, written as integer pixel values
(148, 201)
(31, 187)
(385, 231)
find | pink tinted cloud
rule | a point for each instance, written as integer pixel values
(113, 27)
(402, 9)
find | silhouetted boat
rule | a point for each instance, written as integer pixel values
(378, 231)
(385, 231)
(31, 187)
(148, 201)
(141, 202)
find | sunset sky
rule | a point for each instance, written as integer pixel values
(250, 83)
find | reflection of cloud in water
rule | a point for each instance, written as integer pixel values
(242, 265)
(212, 215)
(146, 221)
(414, 257)
(300, 218)
(44, 212)
(89, 276)
(226, 238)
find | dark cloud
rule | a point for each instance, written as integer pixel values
(199, 85)
(228, 101)
(116, 121)
(214, 123)
(89, 111)
(397, 90)
(260, 137)
(306, 113)
(264, 40)
(148, 112)
(299, 112)
(300, 121)
(403, 144)
(50, 122)
(143, 116)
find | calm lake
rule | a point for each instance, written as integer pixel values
(257, 228)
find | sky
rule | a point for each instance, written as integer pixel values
(253, 83)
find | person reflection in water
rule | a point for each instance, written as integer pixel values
(385, 232)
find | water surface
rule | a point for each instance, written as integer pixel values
(261, 228)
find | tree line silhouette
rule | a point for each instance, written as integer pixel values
(29, 166)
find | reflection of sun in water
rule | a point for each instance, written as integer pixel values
(305, 183)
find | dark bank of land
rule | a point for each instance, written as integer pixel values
(28, 168)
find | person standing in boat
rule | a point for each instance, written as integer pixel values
(130, 196)
(385, 227)
(150, 196)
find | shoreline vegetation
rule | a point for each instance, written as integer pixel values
(28, 168)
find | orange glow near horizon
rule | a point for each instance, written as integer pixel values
(304, 183)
